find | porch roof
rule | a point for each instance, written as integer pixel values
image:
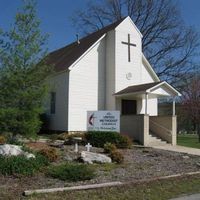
(150, 88)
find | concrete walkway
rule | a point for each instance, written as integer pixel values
(180, 149)
(189, 197)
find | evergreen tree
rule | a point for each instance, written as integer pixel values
(23, 73)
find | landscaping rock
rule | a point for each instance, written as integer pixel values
(14, 150)
(186, 157)
(57, 144)
(89, 157)
(68, 158)
(198, 164)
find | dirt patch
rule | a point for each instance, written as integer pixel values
(37, 146)
(140, 163)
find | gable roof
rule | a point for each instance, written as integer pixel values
(64, 57)
(147, 87)
(137, 88)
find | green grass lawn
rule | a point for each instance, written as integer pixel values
(188, 140)
(156, 190)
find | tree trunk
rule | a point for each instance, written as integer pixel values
(198, 131)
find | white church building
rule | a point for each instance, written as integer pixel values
(107, 70)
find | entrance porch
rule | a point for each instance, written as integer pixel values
(138, 106)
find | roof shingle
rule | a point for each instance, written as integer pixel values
(137, 88)
(62, 58)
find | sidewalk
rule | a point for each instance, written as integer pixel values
(189, 197)
(180, 149)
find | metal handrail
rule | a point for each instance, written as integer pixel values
(169, 132)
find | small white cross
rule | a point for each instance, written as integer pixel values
(88, 146)
(76, 147)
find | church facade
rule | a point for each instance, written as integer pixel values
(107, 70)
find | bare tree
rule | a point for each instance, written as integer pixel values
(168, 44)
(191, 102)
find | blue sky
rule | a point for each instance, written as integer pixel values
(55, 15)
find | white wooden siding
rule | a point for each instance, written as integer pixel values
(87, 87)
(146, 76)
(152, 107)
(59, 85)
(123, 67)
(96, 76)
(110, 70)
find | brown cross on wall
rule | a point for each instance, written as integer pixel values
(129, 47)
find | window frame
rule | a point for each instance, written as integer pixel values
(53, 102)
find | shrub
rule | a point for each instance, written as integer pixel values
(12, 139)
(99, 138)
(124, 142)
(69, 138)
(2, 139)
(109, 147)
(14, 165)
(15, 142)
(53, 137)
(8, 136)
(117, 156)
(50, 153)
(71, 172)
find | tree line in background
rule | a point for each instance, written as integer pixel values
(191, 103)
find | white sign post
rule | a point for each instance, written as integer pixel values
(103, 121)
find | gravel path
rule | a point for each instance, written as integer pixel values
(140, 163)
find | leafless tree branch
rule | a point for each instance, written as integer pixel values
(169, 45)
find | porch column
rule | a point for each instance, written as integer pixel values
(146, 102)
(174, 107)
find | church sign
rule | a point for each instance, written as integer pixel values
(103, 121)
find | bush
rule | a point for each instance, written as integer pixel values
(71, 172)
(69, 138)
(12, 139)
(15, 142)
(2, 139)
(99, 138)
(50, 153)
(7, 136)
(124, 142)
(14, 165)
(109, 147)
(117, 156)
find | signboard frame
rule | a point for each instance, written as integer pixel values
(103, 120)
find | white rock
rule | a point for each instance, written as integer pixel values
(14, 150)
(29, 155)
(8, 149)
(89, 157)
(186, 157)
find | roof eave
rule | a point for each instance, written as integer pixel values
(150, 68)
(129, 93)
(168, 85)
(89, 49)
(134, 26)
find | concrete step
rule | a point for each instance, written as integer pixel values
(162, 143)
(156, 141)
